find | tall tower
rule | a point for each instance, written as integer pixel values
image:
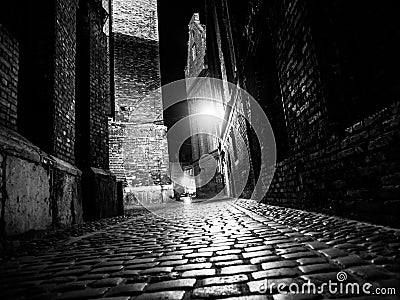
(138, 143)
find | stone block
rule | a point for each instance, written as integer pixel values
(27, 204)
(99, 194)
(67, 200)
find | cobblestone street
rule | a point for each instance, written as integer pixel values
(227, 249)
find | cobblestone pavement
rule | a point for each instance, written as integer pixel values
(227, 249)
(39, 241)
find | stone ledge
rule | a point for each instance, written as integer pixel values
(14, 144)
(102, 172)
(37, 190)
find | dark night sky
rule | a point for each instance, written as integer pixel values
(173, 20)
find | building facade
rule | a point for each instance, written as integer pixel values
(138, 143)
(327, 83)
(205, 107)
(55, 101)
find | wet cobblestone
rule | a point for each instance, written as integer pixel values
(227, 249)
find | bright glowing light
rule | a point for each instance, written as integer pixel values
(210, 109)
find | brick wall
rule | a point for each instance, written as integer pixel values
(137, 79)
(9, 65)
(138, 152)
(60, 91)
(99, 89)
(298, 73)
(240, 161)
(47, 76)
(138, 144)
(136, 18)
(93, 87)
(64, 80)
(357, 176)
(351, 172)
(36, 72)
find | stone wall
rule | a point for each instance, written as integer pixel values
(147, 196)
(9, 54)
(38, 191)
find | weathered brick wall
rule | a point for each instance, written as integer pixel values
(116, 146)
(137, 79)
(64, 80)
(47, 72)
(43, 187)
(138, 152)
(298, 73)
(136, 18)
(99, 89)
(9, 65)
(357, 176)
(138, 144)
(240, 161)
(352, 173)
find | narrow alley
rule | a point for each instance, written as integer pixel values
(217, 249)
(209, 149)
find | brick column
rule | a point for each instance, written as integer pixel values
(93, 99)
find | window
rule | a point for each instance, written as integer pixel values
(194, 52)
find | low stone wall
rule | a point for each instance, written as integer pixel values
(147, 195)
(357, 176)
(37, 191)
